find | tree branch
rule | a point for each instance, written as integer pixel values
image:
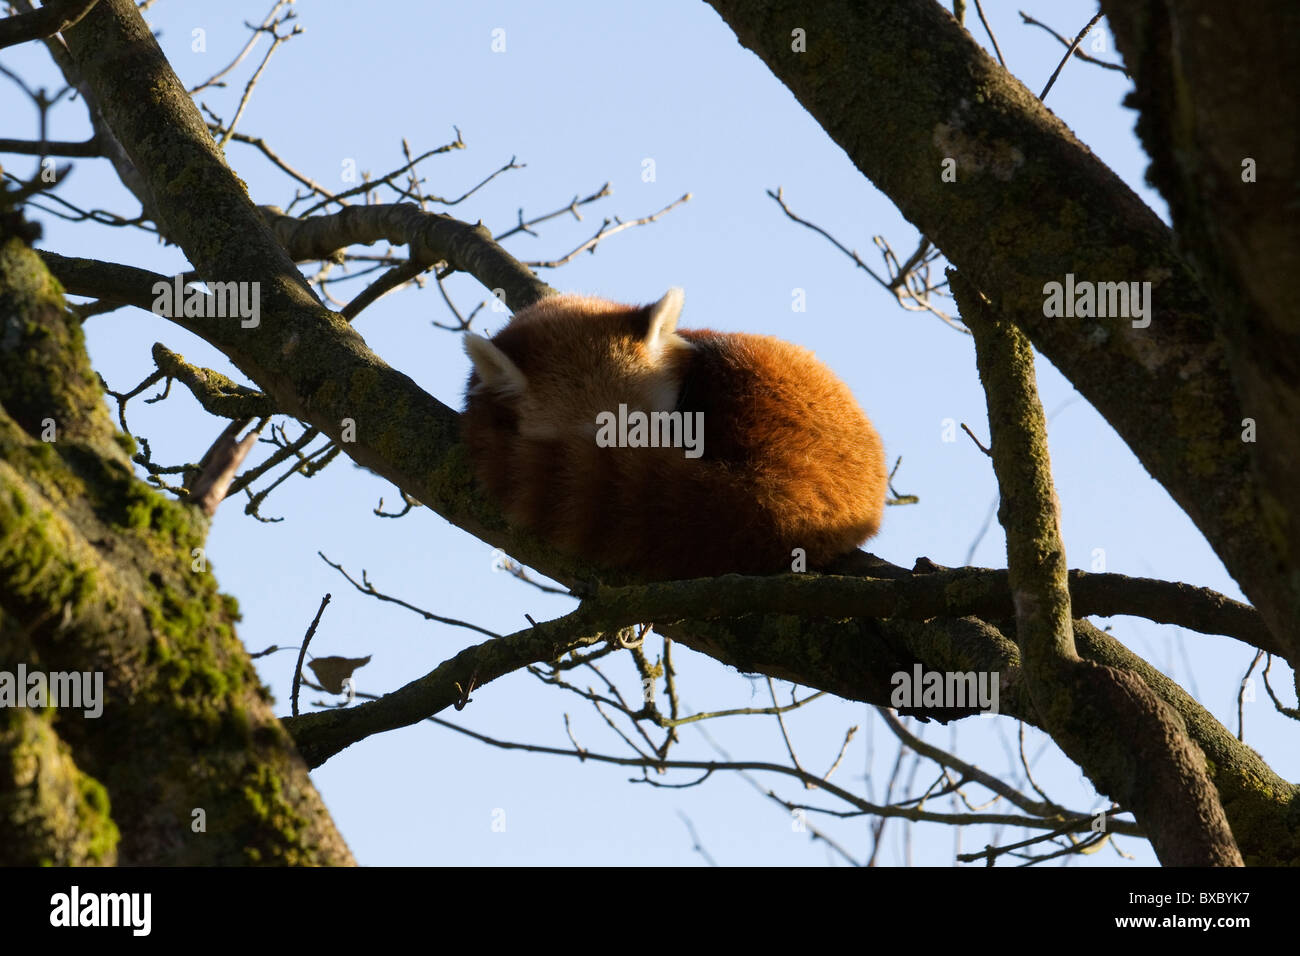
(54, 17)
(433, 238)
(51, 147)
(217, 394)
(322, 734)
(1154, 769)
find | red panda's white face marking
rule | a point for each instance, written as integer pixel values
(562, 361)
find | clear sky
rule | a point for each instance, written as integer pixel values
(583, 94)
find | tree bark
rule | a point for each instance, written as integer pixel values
(1218, 119)
(101, 574)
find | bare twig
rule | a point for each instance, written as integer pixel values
(1068, 53)
(1241, 695)
(785, 735)
(695, 840)
(1285, 711)
(572, 209)
(604, 232)
(909, 283)
(365, 587)
(302, 651)
(978, 443)
(276, 40)
(267, 22)
(979, 8)
(1030, 21)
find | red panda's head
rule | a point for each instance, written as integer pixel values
(565, 359)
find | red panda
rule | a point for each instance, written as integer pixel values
(569, 409)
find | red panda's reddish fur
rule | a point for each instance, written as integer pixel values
(789, 459)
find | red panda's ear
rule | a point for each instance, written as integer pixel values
(496, 372)
(662, 325)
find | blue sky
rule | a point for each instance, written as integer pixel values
(582, 94)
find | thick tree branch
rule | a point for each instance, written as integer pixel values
(433, 238)
(111, 281)
(54, 17)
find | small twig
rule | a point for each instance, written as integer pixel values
(270, 154)
(1030, 21)
(473, 189)
(385, 180)
(306, 465)
(276, 40)
(910, 283)
(848, 736)
(1241, 694)
(465, 699)
(604, 232)
(571, 208)
(1068, 53)
(970, 772)
(502, 561)
(385, 284)
(895, 498)
(771, 689)
(252, 41)
(978, 443)
(979, 8)
(282, 452)
(1029, 775)
(302, 651)
(1285, 711)
(123, 398)
(695, 840)
(568, 729)
(992, 852)
(410, 503)
(462, 323)
(365, 587)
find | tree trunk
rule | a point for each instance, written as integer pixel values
(101, 574)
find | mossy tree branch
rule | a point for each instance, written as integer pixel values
(217, 394)
(1153, 768)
